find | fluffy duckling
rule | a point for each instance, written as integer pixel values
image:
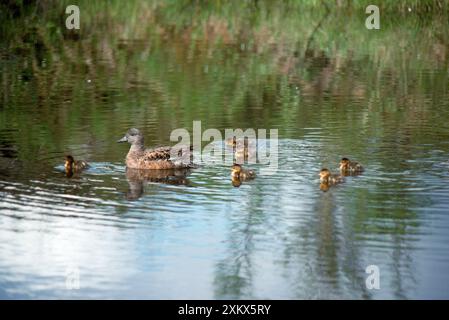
(329, 179)
(242, 174)
(348, 166)
(236, 182)
(245, 153)
(243, 149)
(233, 141)
(72, 166)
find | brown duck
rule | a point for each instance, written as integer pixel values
(242, 174)
(71, 166)
(330, 179)
(159, 158)
(351, 167)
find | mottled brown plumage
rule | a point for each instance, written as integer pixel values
(350, 167)
(71, 166)
(158, 158)
(242, 174)
(330, 179)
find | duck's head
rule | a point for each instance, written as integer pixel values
(69, 161)
(68, 165)
(236, 168)
(230, 141)
(133, 136)
(344, 163)
(324, 174)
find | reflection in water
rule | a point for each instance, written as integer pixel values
(328, 242)
(138, 178)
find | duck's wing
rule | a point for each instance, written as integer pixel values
(164, 153)
(81, 164)
(157, 154)
(180, 148)
(357, 166)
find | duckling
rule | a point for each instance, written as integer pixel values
(329, 179)
(242, 174)
(243, 149)
(72, 166)
(236, 182)
(232, 141)
(348, 166)
(248, 152)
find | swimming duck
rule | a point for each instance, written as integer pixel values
(348, 166)
(232, 141)
(329, 179)
(243, 149)
(159, 158)
(242, 174)
(72, 166)
(242, 154)
(236, 182)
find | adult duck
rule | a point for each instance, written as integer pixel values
(139, 157)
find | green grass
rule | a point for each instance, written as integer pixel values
(210, 59)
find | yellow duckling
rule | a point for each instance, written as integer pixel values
(242, 174)
(243, 149)
(72, 166)
(236, 182)
(233, 141)
(329, 179)
(248, 152)
(347, 166)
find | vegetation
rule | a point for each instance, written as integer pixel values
(170, 62)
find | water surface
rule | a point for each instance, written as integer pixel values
(279, 236)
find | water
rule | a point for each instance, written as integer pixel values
(136, 235)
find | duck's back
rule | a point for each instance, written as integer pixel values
(157, 158)
(248, 174)
(80, 165)
(355, 166)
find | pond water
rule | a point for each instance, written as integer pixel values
(134, 235)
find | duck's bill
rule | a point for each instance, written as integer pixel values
(122, 140)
